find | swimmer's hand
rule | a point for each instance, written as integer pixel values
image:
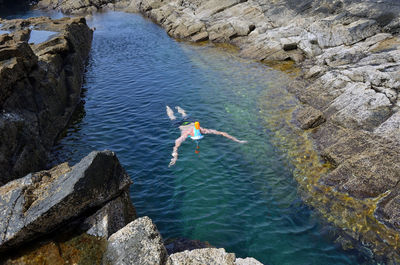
(242, 142)
(173, 160)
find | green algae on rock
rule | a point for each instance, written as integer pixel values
(80, 249)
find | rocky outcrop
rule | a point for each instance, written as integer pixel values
(203, 256)
(111, 217)
(40, 85)
(140, 243)
(79, 7)
(69, 211)
(42, 202)
(137, 243)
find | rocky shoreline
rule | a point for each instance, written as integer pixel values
(40, 87)
(349, 52)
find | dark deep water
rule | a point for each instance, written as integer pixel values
(238, 196)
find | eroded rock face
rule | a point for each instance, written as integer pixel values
(42, 202)
(139, 242)
(111, 217)
(40, 86)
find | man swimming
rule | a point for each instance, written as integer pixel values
(192, 130)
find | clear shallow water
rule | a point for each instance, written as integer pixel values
(240, 197)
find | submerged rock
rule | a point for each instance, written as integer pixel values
(43, 202)
(181, 244)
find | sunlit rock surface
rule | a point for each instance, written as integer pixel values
(66, 213)
(40, 203)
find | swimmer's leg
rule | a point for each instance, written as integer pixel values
(181, 111)
(170, 113)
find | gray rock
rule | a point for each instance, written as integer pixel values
(390, 128)
(202, 256)
(247, 261)
(139, 242)
(359, 107)
(309, 118)
(40, 203)
(111, 217)
(50, 73)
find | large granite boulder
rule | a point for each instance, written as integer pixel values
(43, 202)
(139, 242)
(40, 85)
(203, 256)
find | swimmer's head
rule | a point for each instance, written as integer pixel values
(197, 125)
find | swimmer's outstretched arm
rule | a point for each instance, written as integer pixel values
(178, 143)
(211, 131)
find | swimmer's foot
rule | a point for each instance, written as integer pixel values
(170, 113)
(181, 111)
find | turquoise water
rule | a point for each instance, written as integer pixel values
(238, 196)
